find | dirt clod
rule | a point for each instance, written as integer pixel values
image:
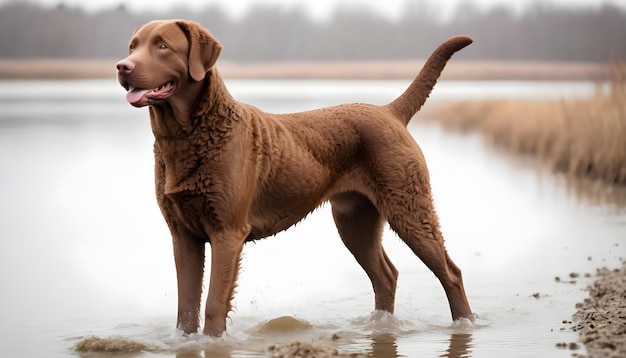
(109, 345)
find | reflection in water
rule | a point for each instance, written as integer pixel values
(213, 352)
(586, 191)
(597, 192)
(460, 344)
(384, 345)
(193, 355)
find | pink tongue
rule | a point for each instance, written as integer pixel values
(136, 95)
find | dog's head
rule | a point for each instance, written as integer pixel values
(164, 56)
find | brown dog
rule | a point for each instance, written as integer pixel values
(228, 173)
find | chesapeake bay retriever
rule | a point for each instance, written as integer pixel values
(228, 173)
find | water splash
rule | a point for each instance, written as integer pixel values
(383, 322)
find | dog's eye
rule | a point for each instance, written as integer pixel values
(163, 46)
(131, 47)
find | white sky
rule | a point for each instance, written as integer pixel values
(316, 8)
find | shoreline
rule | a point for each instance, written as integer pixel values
(54, 69)
(601, 318)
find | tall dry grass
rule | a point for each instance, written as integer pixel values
(585, 137)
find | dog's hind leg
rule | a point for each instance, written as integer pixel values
(411, 214)
(360, 227)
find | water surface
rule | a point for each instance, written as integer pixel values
(84, 249)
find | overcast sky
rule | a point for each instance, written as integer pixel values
(316, 8)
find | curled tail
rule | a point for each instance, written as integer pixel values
(405, 106)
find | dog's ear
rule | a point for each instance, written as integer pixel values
(204, 49)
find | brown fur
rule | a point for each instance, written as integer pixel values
(227, 172)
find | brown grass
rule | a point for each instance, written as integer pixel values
(586, 138)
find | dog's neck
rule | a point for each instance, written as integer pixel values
(213, 97)
(206, 100)
(191, 143)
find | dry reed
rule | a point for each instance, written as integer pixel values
(585, 137)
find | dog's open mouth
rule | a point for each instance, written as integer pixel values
(140, 97)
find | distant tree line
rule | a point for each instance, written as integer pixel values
(268, 33)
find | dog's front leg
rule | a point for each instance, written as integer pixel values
(225, 253)
(189, 258)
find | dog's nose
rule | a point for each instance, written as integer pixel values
(125, 67)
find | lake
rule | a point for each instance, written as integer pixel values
(84, 250)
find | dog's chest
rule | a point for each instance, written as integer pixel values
(193, 211)
(187, 194)
(189, 166)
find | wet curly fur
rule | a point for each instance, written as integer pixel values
(228, 172)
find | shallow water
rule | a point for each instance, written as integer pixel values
(84, 250)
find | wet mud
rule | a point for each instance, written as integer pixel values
(601, 318)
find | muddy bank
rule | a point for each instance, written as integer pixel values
(601, 318)
(384, 70)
